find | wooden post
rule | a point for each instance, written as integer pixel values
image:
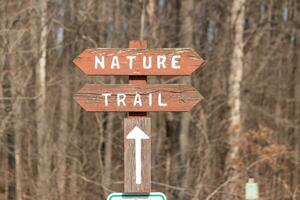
(143, 122)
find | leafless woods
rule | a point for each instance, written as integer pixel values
(248, 125)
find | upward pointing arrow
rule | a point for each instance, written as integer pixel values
(138, 135)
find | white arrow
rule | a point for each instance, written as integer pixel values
(138, 135)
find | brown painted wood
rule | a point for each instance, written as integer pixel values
(177, 97)
(188, 62)
(137, 79)
(130, 185)
(139, 44)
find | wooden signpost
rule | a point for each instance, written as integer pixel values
(137, 119)
(137, 98)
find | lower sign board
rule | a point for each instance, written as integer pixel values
(150, 196)
(137, 98)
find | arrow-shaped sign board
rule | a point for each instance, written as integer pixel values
(137, 98)
(138, 62)
(124, 196)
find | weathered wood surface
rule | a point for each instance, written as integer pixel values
(166, 61)
(130, 185)
(137, 98)
(145, 124)
(142, 44)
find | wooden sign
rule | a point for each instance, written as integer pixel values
(137, 155)
(137, 98)
(137, 62)
(126, 196)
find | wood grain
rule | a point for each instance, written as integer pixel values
(177, 97)
(141, 44)
(130, 186)
(145, 123)
(188, 62)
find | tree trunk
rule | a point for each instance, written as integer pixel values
(63, 134)
(43, 134)
(18, 156)
(232, 189)
(111, 116)
(9, 127)
(19, 131)
(142, 21)
(295, 111)
(70, 187)
(186, 40)
(153, 22)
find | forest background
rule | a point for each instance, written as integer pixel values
(248, 125)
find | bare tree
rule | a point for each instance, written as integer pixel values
(234, 100)
(9, 128)
(247, 124)
(186, 35)
(43, 132)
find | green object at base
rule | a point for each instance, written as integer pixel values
(150, 196)
(251, 191)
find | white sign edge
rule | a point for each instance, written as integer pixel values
(110, 196)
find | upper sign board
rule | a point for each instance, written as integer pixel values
(138, 62)
(150, 196)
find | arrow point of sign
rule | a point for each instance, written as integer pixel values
(199, 98)
(137, 133)
(195, 61)
(77, 63)
(200, 61)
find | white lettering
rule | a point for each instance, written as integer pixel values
(160, 103)
(106, 95)
(175, 62)
(99, 62)
(115, 62)
(150, 99)
(161, 62)
(121, 99)
(131, 58)
(145, 62)
(137, 100)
